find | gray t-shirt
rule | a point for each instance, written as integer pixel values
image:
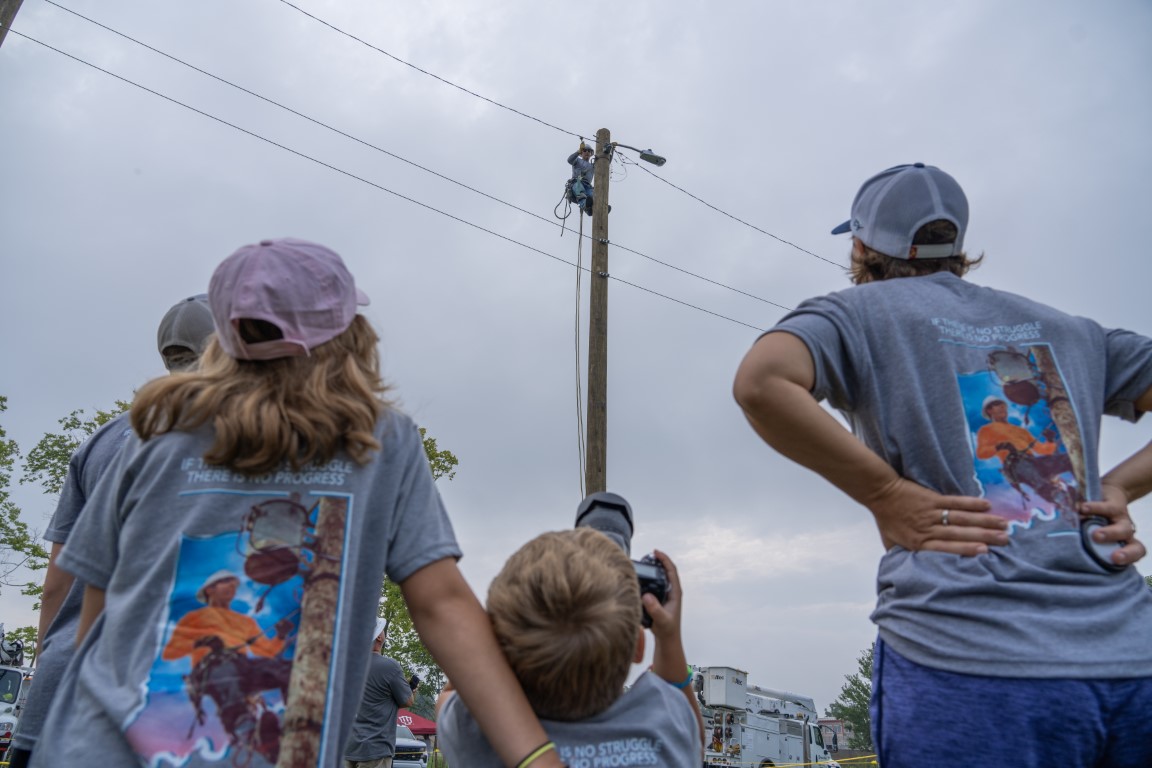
(651, 724)
(239, 611)
(582, 169)
(374, 731)
(969, 390)
(85, 468)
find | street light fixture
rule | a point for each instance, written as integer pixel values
(646, 155)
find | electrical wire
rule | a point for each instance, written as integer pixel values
(735, 218)
(336, 29)
(579, 382)
(550, 125)
(370, 183)
(395, 156)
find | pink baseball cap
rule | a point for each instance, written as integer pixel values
(302, 288)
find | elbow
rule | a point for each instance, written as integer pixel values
(744, 390)
(754, 391)
(57, 582)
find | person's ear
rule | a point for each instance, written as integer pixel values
(639, 655)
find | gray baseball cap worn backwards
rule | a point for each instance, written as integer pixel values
(184, 332)
(893, 204)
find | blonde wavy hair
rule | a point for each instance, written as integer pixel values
(298, 410)
(566, 611)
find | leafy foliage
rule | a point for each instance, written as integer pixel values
(403, 643)
(20, 547)
(852, 706)
(47, 462)
(26, 635)
(441, 462)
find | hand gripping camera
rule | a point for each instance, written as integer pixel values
(610, 514)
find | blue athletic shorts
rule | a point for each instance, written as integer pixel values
(928, 718)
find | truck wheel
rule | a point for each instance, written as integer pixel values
(767, 764)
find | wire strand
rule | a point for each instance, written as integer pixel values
(395, 58)
(370, 183)
(395, 156)
(735, 218)
(545, 123)
(579, 381)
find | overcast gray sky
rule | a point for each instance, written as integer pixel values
(116, 202)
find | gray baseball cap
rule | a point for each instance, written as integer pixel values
(893, 204)
(187, 325)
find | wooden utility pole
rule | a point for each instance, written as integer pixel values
(596, 449)
(308, 687)
(8, 10)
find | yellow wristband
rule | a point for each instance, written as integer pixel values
(535, 754)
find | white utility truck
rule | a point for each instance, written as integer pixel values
(753, 727)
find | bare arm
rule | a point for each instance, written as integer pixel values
(454, 626)
(1128, 481)
(1134, 475)
(668, 659)
(93, 607)
(57, 582)
(773, 386)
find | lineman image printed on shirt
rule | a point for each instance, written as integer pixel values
(1024, 432)
(219, 687)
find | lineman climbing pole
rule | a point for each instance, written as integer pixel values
(596, 435)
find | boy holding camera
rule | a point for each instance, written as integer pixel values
(567, 609)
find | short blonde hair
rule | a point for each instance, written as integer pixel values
(266, 412)
(566, 610)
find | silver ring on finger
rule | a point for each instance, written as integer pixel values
(944, 517)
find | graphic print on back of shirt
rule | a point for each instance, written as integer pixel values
(242, 670)
(1024, 434)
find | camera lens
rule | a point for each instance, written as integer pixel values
(608, 513)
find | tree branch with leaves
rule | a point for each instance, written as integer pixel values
(402, 642)
(852, 706)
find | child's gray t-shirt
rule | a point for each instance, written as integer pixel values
(167, 675)
(651, 724)
(85, 468)
(918, 366)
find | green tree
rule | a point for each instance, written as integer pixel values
(1148, 581)
(26, 635)
(46, 464)
(403, 643)
(852, 706)
(20, 547)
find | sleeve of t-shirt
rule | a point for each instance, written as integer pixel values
(1129, 372)
(85, 468)
(93, 547)
(826, 327)
(397, 685)
(421, 532)
(460, 737)
(69, 506)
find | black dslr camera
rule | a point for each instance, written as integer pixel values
(610, 514)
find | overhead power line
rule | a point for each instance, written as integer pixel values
(334, 28)
(735, 218)
(373, 184)
(394, 155)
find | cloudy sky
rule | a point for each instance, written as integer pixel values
(123, 188)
